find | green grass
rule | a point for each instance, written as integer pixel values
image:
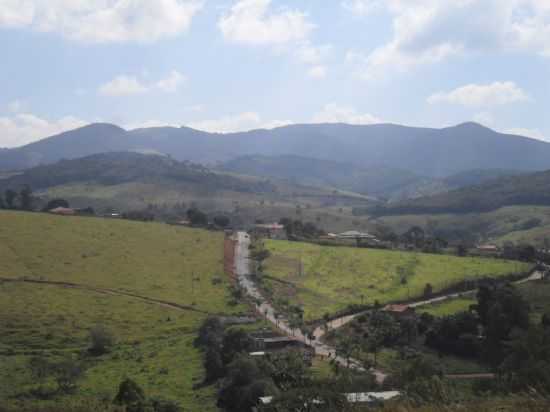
(448, 307)
(335, 277)
(153, 343)
(151, 259)
(501, 225)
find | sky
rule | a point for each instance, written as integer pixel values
(231, 65)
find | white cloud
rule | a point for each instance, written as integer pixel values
(309, 54)
(124, 85)
(361, 7)
(252, 22)
(482, 95)
(318, 72)
(286, 31)
(26, 128)
(102, 21)
(236, 123)
(429, 31)
(333, 113)
(533, 133)
(171, 83)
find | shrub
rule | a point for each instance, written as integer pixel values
(101, 340)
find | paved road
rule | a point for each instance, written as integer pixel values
(242, 265)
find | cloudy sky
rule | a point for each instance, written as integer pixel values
(226, 65)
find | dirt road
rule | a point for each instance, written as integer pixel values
(242, 264)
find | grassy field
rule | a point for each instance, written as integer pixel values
(153, 343)
(155, 260)
(332, 278)
(448, 307)
(512, 223)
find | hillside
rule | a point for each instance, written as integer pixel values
(423, 151)
(119, 271)
(383, 182)
(123, 167)
(531, 189)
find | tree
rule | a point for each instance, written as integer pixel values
(428, 290)
(101, 340)
(26, 198)
(221, 221)
(10, 196)
(196, 217)
(235, 341)
(55, 203)
(131, 396)
(244, 385)
(214, 365)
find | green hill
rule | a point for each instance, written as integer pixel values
(116, 274)
(532, 189)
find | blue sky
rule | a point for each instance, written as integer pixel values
(226, 65)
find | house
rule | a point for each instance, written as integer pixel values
(63, 211)
(270, 231)
(363, 397)
(400, 311)
(354, 234)
(488, 249)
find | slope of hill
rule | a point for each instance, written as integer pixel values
(531, 189)
(124, 167)
(392, 184)
(132, 181)
(423, 151)
(112, 261)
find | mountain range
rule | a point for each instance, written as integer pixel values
(424, 152)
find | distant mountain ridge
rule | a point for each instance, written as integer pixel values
(422, 151)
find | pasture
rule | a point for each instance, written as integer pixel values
(153, 343)
(326, 279)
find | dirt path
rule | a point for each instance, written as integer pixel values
(339, 322)
(107, 291)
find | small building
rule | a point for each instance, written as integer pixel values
(353, 398)
(354, 234)
(400, 311)
(270, 231)
(488, 249)
(63, 211)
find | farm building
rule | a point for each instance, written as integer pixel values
(63, 211)
(270, 231)
(354, 234)
(400, 311)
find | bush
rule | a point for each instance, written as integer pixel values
(101, 340)
(131, 396)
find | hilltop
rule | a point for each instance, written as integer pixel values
(422, 151)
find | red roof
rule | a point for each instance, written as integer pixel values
(396, 308)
